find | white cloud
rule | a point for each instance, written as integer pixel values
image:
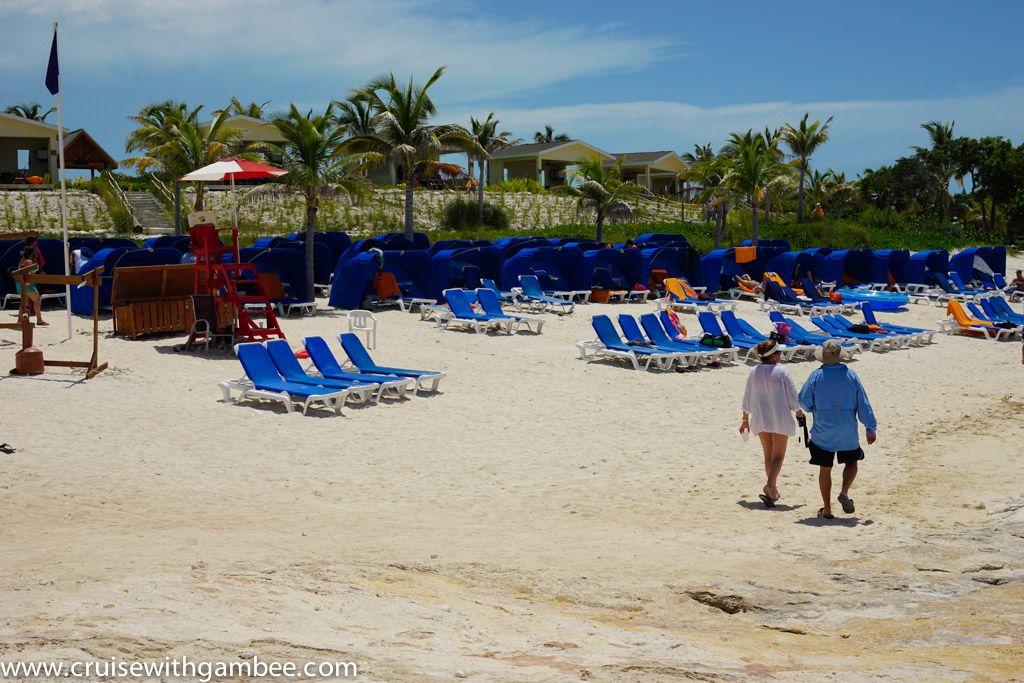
(345, 41)
(864, 133)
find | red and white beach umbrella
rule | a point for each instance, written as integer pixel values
(233, 168)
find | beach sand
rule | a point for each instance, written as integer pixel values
(540, 519)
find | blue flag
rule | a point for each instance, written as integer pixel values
(53, 69)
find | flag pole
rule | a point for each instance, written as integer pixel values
(63, 191)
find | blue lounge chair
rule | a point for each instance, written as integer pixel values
(846, 324)
(362, 390)
(737, 327)
(360, 357)
(948, 290)
(327, 365)
(874, 341)
(492, 306)
(709, 323)
(633, 334)
(801, 335)
(609, 344)
(264, 381)
(955, 278)
(533, 294)
(504, 297)
(462, 313)
(657, 334)
(999, 306)
(919, 333)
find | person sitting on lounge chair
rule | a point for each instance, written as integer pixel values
(750, 283)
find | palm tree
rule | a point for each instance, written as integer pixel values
(356, 115)
(752, 168)
(486, 135)
(29, 110)
(708, 172)
(173, 143)
(314, 157)
(601, 187)
(548, 135)
(402, 132)
(803, 141)
(253, 110)
(941, 163)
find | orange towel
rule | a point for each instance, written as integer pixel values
(746, 254)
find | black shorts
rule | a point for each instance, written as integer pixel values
(823, 458)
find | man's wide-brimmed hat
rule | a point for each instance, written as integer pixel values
(830, 352)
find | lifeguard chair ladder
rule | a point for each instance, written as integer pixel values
(222, 280)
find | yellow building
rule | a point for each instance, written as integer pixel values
(29, 148)
(545, 162)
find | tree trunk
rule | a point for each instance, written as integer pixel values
(311, 207)
(719, 224)
(600, 225)
(480, 194)
(800, 196)
(753, 205)
(408, 205)
(199, 197)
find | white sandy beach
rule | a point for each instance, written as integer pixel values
(540, 519)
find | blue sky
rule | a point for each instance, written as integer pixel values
(650, 76)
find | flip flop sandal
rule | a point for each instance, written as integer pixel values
(7, 448)
(821, 514)
(768, 502)
(847, 504)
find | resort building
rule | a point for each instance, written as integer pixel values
(29, 153)
(656, 171)
(545, 162)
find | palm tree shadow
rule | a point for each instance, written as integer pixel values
(758, 505)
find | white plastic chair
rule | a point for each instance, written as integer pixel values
(363, 321)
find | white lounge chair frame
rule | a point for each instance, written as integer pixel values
(332, 401)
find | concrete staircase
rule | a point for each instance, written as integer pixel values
(149, 213)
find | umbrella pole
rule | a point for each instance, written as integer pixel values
(234, 229)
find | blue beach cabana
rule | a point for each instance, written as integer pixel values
(463, 268)
(889, 262)
(111, 260)
(923, 263)
(848, 266)
(353, 279)
(623, 266)
(557, 268)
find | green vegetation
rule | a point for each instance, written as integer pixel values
(601, 189)
(466, 214)
(517, 185)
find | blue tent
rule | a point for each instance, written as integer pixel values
(394, 241)
(718, 270)
(509, 246)
(789, 265)
(923, 263)
(848, 265)
(323, 266)
(443, 245)
(963, 262)
(624, 266)
(651, 239)
(111, 260)
(818, 255)
(353, 279)
(419, 239)
(180, 242)
(463, 268)
(336, 240)
(584, 245)
(889, 261)
(677, 259)
(558, 268)
(287, 263)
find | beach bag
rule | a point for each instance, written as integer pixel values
(1005, 325)
(385, 285)
(674, 319)
(860, 329)
(716, 341)
(782, 331)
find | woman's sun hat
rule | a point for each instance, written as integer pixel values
(830, 352)
(768, 348)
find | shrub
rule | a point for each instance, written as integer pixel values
(462, 214)
(517, 185)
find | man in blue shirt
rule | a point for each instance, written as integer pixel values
(834, 395)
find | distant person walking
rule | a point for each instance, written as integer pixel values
(817, 213)
(769, 402)
(835, 397)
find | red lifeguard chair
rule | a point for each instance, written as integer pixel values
(223, 280)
